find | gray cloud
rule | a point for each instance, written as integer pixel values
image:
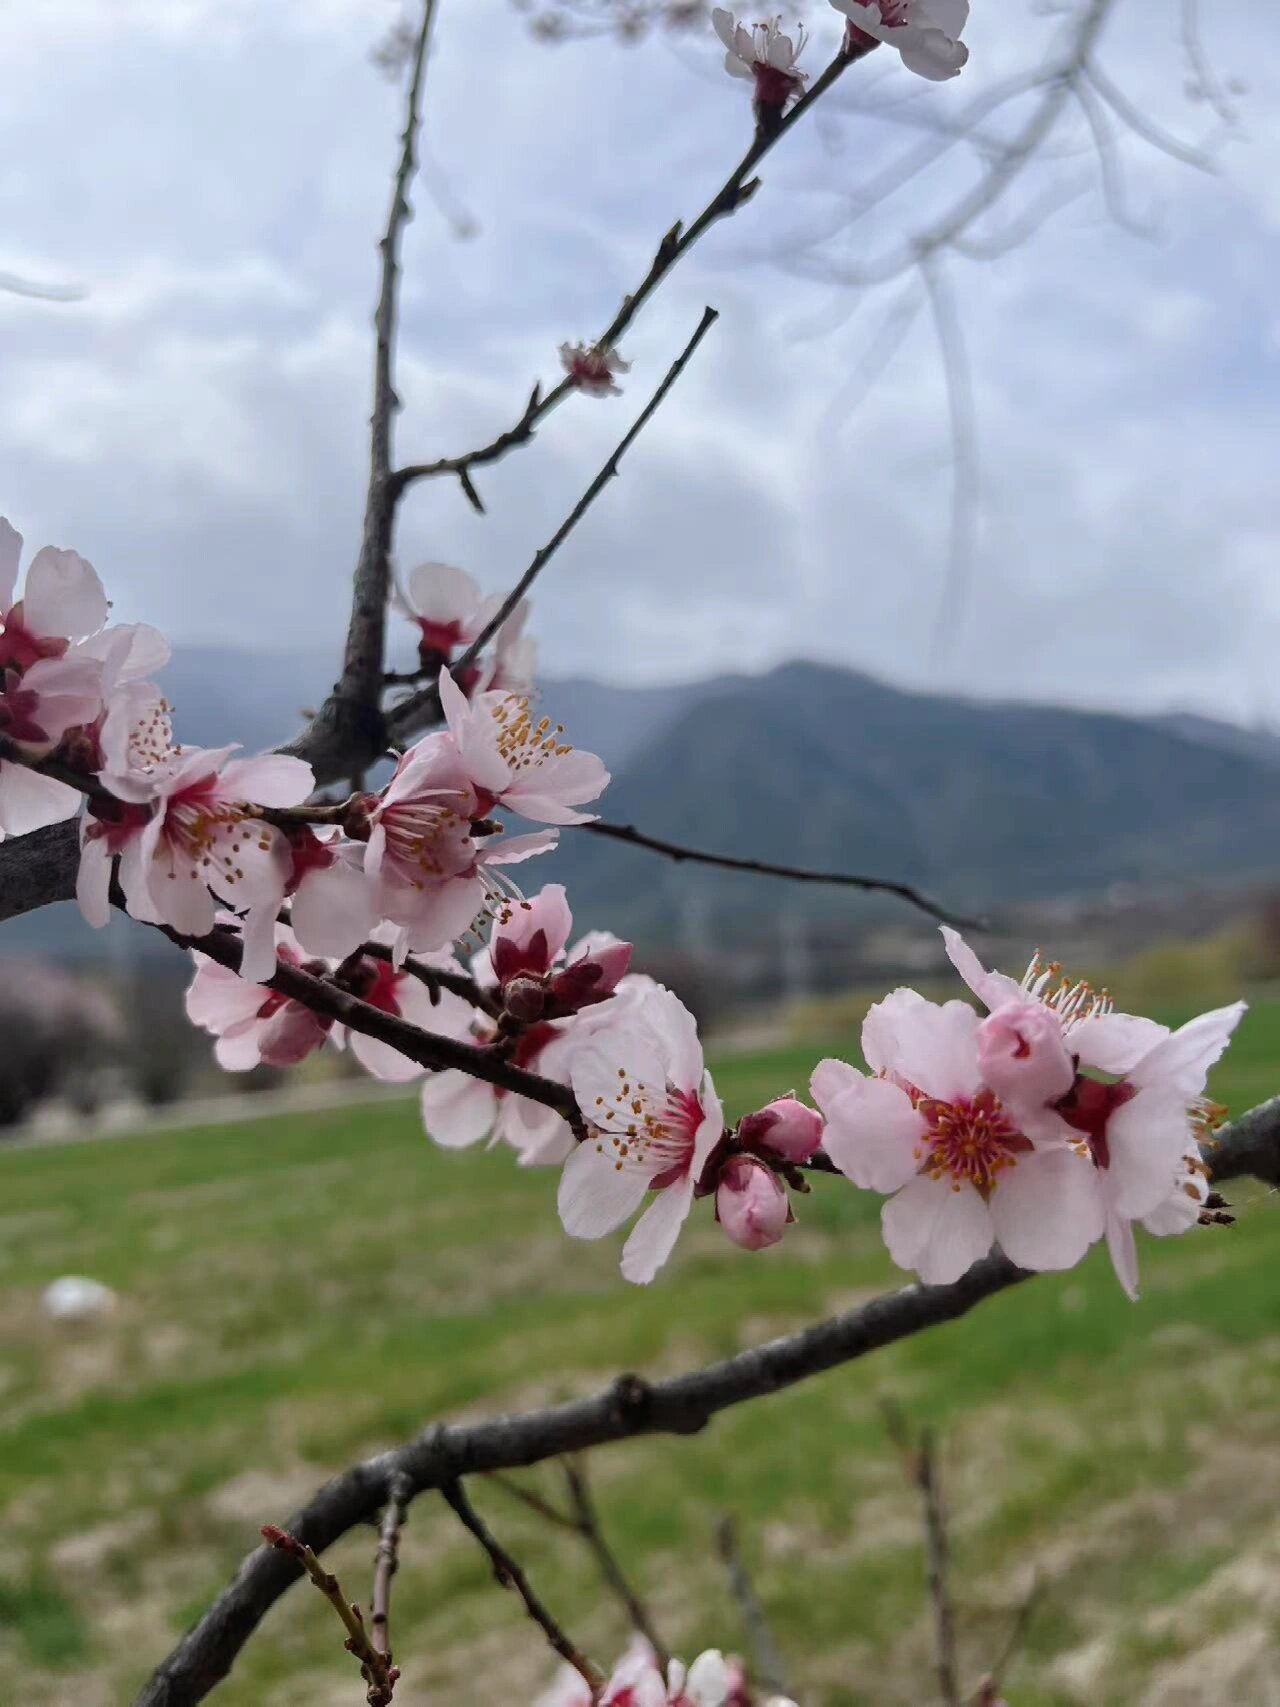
(215, 174)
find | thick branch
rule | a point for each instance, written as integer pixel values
(684, 1404)
(734, 193)
(425, 706)
(510, 1575)
(800, 874)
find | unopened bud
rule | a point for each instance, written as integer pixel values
(751, 1204)
(525, 999)
(788, 1128)
(591, 978)
(1023, 1056)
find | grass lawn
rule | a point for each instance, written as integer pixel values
(297, 1292)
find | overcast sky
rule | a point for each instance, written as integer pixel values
(214, 173)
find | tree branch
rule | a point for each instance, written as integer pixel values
(920, 1461)
(587, 1523)
(348, 728)
(510, 1575)
(683, 1404)
(385, 1564)
(800, 874)
(734, 193)
(766, 1661)
(375, 1666)
(425, 706)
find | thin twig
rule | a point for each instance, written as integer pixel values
(510, 1575)
(535, 1502)
(766, 1661)
(437, 978)
(920, 1460)
(376, 1668)
(765, 868)
(734, 193)
(958, 376)
(386, 1561)
(588, 1526)
(989, 1688)
(404, 715)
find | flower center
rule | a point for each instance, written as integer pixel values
(427, 840)
(1088, 1106)
(652, 1132)
(1045, 982)
(18, 708)
(20, 649)
(524, 744)
(971, 1140)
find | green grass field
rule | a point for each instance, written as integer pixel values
(298, 1292)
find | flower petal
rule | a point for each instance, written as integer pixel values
(596, 1194)
(1048, 1209)
(63, 595)
(29, 801)
(873, 1134)
(654, 1236)
(457, 1110)
(938, 1232)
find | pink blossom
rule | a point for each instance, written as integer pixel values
(654, 1120)
(1138, 1132)
(1023, 1058)
(447, 605)
(525, 952)
(201, 838)
(592, 367)
(254, 1026)
(765, 55)
(430, 876)
(515, 761)
(636, 1682)
(785, 1128)
(705, 1683)
(1089, 1019)
(62, 601)
(52, 695)
(332, 908)
(513, 662)
(751, 1203)
(925, 32)
(929, 1130)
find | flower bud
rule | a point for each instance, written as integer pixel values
(525, 999)
(787, 1127)
(290, 1035)
(593, 977)
(1023, 1056)
(751, 1204)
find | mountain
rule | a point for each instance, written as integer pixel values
(977, 802)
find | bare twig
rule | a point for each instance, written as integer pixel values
(766, 1661)
(535, 1502)
(764, 868)
(410, 712)
(386, 1562)
(375, 1666)
(964, 454)
(734, 193)
(510, 1575)
(587, 1523)
(920, 1459)
(629, 1407)
(989, 1689)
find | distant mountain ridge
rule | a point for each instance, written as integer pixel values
(977, 801)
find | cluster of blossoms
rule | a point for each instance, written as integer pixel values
(1042, 1127)
(925, 32)
(638, 1680)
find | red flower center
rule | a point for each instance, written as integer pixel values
(972, 1140)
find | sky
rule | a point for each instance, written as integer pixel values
(213, 176)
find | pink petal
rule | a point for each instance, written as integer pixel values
(654, 1236)
(989, 987)
(938, 1232)
(29, 801)
(674, 1033)
(217, 999)
(93, 881)
(595, 1194)
(934, 1048)
(1147, 1138)
(873, 1135)
(442, 593)
(1113, 1043)
(333, 911)
(1124, 1254)
(829, 1078)
(383, 1061)
(457, 1110)
(272, 779)
(547, 792)
(1048, 1209)
(1183, 1059)
(10, 556)
(63, 595)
